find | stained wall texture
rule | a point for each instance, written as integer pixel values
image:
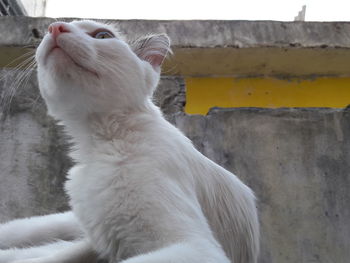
(297, 162)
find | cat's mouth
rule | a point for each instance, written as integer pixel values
(56, 48)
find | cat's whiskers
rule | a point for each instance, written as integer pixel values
(34, 104)
(24, 68)
(12, 90)
(19, 66)
(172, 70)
(26, 54)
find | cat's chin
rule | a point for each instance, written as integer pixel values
(61, 62)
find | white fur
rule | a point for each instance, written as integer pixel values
(46, 251)
(141, 191)
(79, 251)
(39, 230)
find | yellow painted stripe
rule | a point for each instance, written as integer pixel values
(205, 93)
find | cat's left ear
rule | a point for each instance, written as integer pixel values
(152, 48)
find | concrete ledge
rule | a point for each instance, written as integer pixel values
(220, 48)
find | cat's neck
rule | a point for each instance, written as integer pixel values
(89, 133)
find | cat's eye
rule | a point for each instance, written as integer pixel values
(102, 35)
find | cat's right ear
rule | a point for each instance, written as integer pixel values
(152, 48)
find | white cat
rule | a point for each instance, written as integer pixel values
(140, 192)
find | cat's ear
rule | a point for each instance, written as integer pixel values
(152, 48)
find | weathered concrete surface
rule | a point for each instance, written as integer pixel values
(33, 154)
(18, 31)
(219, 48)
(298, 163)
(296, 160)
(170, 95)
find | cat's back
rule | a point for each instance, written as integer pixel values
(227, 203)
(230, 208)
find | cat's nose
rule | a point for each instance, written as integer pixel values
(55, 29)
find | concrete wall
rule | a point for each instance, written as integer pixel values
(297, 161)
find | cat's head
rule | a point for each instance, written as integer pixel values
(86, 67)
